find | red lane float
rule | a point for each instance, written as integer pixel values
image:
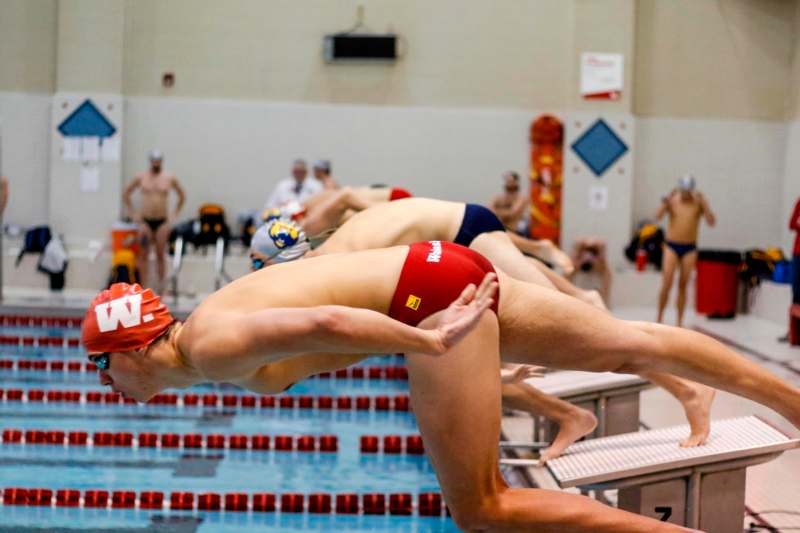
(347, 504)
(292, 503)
(305, 443)
(402, 504)
(319, 503)
(213, 401)
(373, 503)
(31, 321)
(429, 504)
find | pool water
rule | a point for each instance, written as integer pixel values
(140, 465)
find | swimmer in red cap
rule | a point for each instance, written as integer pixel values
(455, 317)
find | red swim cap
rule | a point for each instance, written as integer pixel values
(123, 318)
(398, 193)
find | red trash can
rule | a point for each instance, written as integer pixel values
(717, 283)
(794, 326)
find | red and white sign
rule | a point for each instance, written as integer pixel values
(601, 76)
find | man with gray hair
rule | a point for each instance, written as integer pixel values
(685, 206)
(298, 188)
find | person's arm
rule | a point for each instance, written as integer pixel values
(274, 378)
(705, 209)
(4, 192)
(176, 186)
(794, 222)
(126, 198)
(664, 208)
(270, 335)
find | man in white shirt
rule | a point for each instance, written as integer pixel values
(298, 188)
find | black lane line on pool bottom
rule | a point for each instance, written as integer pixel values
(203, 419)
(158, 524)
(188, 465)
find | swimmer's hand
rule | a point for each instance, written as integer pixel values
(463, 315)
(520, 373)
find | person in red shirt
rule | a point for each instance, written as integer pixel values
(794, 224)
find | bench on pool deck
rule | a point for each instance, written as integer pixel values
(613, 398)
(701, 488)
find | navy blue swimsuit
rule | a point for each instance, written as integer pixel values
(477, 220)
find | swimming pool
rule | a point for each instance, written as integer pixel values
(338, 451)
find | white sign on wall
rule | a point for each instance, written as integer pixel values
(598, 198)
(601, 75)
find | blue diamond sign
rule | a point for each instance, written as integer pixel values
(86, 121)
(599, 147)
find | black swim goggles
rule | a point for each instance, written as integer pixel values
(257, 263)
(101, 360)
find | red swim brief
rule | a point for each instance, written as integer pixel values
(433, 276)
(397, 194)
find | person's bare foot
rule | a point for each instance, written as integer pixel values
(697, 406)
(577, 425)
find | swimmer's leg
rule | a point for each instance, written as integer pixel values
(544, 249)
(146, 237)
(162, 237)
(669, 263)
(498, 248)
(696, 400)
(456, 399)
(687, 264)
(573, 422)
(544, 327)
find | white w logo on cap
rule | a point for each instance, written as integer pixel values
(125, 311)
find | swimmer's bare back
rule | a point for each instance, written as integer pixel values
(264, 319)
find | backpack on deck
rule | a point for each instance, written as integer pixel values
(36, 240)
(212, 225)
(649, 238)
(759, 264)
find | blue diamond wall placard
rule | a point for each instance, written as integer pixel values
(86, 121)
(599, 147)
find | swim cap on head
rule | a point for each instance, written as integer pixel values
(398, 193)
(280, 240)
(686, 182)
(123, 318)
(271, 213)
(155, 155)
(323, 164)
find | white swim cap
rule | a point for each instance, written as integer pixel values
(686, 183)
(155, 155)
(280, 241)
(323, 164)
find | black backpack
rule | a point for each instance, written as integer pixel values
(36, 240)
(650, 238)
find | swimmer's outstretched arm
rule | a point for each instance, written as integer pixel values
(253, 340)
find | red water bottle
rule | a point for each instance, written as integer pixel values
(641, 259)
